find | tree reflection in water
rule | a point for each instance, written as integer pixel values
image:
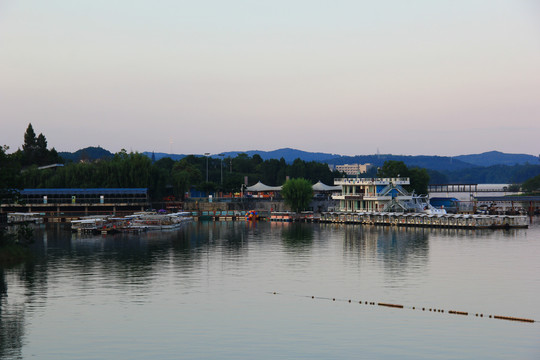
(11, 323)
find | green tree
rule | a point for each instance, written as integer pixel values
(243, 164)
(29, 139)
(532, 185)
(54, 158)
(9, 169)
(185, 175)
(165, 163)
(419, 177)
(298, 169)
(233, 182)
(393, 169)
(514, 187)
(419, 180)
(208, 187)
(297, 193)
(256, 160)
(282, 173)
(34, 150)
(29, 147)
(268, 172)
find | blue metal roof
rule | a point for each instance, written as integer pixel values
(79, 191)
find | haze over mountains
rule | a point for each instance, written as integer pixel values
(439, 163)
(489, 167)
(426, 161)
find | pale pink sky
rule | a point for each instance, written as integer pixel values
(347, 77)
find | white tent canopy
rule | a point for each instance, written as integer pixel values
(323, 187)
(262, 187)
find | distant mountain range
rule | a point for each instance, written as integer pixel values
(438, 163)
(160, 155)
(492, 166)
(498, 158)
(289, 155)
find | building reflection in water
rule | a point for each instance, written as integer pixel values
(129, 263)
(296, 236)
(398, 249)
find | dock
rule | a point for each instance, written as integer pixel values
(426, 220)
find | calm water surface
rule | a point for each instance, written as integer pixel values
(207, 292)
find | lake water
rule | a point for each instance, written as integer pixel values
(207, 292)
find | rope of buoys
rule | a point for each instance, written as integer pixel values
(391, 305)
(458, 312)
(512, 318)
(399, 306)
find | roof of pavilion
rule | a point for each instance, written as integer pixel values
(262, 187)
(319, 186)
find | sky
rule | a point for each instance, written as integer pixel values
(344, 77)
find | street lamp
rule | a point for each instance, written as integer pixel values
(206, 154)
(221, 168)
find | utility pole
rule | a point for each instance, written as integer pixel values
(221, 167)
(206, 154)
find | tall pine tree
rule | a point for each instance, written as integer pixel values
(30, 146)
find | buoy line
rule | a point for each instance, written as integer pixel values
(399, 306)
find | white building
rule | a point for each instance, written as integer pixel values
(353, 169)
(372, 194)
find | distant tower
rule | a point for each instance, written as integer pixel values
(378, 154)
(153, 157)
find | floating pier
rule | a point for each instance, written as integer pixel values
(427, 220)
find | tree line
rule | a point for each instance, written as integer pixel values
(164, 177)
(167, 177)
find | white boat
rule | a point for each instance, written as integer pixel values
(153, 221)
(88, 225)
(420, 204)
(22, 217)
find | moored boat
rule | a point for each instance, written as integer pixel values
(153, 221)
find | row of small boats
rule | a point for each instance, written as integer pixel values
(430, 220)
(138, 222)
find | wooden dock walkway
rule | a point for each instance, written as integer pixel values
(427, 220)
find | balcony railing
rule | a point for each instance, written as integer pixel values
(372, 181)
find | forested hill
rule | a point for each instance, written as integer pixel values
(495, 174)
(160, 155)
(498, 158)
(90, 153)
(489, 167)
(288, 154)
(438, 163)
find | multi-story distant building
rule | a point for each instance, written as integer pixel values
(353, 169)
(372, 194)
